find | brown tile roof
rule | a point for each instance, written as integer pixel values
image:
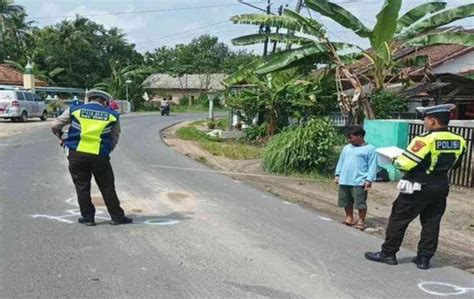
(437, 54)
(11, 76)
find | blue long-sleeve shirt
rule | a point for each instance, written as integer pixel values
(357, 165)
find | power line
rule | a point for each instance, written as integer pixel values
(144, 11)
(181, 32)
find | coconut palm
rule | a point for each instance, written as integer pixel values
(415, 28)
(40, 74)
(115, 85)
(11, 16)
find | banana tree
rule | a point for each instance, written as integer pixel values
(314, 47)
(415, 28)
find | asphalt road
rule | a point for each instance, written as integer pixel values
(196, 233)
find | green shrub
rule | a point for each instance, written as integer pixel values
(303, 149)
(255, 132)
(385, 103)
(184, 101)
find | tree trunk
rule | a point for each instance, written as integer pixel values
(359, 94)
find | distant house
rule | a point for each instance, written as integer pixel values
(173, 88)
(10, 77)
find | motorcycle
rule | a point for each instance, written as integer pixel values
(165, 109)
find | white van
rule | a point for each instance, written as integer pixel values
(20, 105)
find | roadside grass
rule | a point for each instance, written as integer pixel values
(229, 149)
(192, 108)
(232, 150)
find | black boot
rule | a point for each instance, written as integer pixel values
(124, 220)
(87, 222)
(381, 257)
(421, 262)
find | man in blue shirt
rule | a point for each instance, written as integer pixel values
(355, 172)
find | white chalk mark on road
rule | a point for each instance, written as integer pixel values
(451, 289)
(70, 213)
(161, 221)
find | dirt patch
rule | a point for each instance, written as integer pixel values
(457, 228)
(98, 201)
(177, 196)
(8, 128)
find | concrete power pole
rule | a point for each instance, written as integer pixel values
(299, 4)
(267, 28)
(280, 12)
(267, 31)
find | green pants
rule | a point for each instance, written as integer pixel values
(352, 195)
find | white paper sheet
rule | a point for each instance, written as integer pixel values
(387, 154)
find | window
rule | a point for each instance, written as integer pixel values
(37, 98)
(29, 96)
(20, 96)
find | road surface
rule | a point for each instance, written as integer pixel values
(196, 233)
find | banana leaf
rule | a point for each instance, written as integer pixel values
(340, 15)
(440, 19)
(419, 12)
(288, 58)
(285, 21)
(458, 38)
(272, 37)
(386, 24)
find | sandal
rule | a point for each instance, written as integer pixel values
(360, 227)
(348, 223)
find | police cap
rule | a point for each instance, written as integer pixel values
(95, 93)
(436, 110)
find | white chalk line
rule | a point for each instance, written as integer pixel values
(230, 172)
(77, 213)
(458, 290)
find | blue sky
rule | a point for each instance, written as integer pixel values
(149, 30)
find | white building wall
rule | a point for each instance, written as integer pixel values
(456, 65)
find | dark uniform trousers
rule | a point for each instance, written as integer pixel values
(430, 204)
(82, 167)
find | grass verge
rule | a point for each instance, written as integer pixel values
(229, 149)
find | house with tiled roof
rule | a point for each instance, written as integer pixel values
(450, 78)
(166, 86)
(453, 59)
(12, 77)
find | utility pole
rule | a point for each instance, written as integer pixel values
(299, 4)
(267, 31)
(280, 12)
(267, 28)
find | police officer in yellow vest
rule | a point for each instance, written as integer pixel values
(93, 133)
(424, 188)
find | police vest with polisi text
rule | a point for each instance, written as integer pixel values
(431, 156)
(90, 130)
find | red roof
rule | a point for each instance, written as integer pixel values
(437, 54)
(11, 76)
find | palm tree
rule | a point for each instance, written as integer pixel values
(40, 74)
(11, 16)
(115, 85)
(389, 33)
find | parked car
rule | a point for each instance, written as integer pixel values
(20, 105)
